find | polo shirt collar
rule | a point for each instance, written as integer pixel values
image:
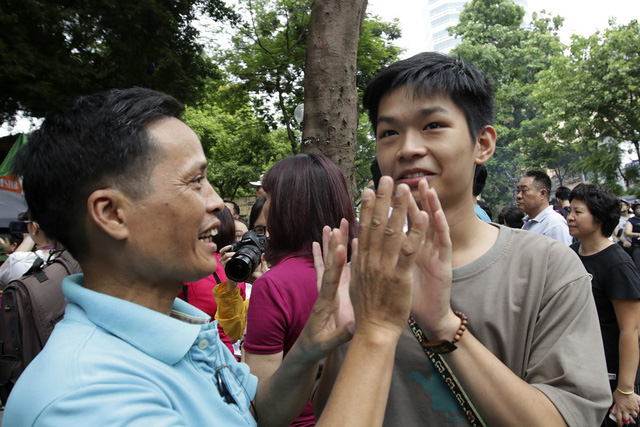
(160, 336)
(541, 216)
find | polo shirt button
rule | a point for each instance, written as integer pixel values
(203, 344)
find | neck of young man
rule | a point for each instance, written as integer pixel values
(594, 243)
(470, 236)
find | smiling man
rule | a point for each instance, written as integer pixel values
(507, 314)
(120, 181)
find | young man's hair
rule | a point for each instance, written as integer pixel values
(603, 205)
(563, 192)
(307, 192)
(256, 210)
(511, 216)
(432, 74)
(236, 208)
(541, 180)
(479, 179)
(97, 141)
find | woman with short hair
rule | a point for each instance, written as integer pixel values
(594, 214)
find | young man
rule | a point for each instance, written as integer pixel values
(121, 182)
(530, 353)
(533, 199)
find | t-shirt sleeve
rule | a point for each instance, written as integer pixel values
(266, 319)
(567, 360)
(623, 282)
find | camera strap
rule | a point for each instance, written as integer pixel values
(215, 276)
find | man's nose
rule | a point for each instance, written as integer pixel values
(412, 146)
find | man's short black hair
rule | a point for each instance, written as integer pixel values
(236, 208)
(432, 73)
(604, 206)
(479, 179)
(97, 141)
(541, 180)
(563, 192)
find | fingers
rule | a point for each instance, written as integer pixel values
(318, 262)
(380, 215)
(336, 260)
(326, 231)
(344, 231)
(393, 232)
(225, 249)
(366, 212)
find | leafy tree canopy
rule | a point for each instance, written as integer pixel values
(268, 56)
(52, 52)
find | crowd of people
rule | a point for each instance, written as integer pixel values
(420, 312)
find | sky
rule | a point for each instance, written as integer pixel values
(583, 17)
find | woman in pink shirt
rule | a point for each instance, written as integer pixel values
(303, 194)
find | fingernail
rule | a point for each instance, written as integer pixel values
(384, 184)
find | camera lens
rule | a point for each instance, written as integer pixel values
(242, 264)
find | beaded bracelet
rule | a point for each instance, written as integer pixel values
(444, 346)
(626, 393)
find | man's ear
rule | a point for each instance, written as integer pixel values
(107, 210)
(485, 144)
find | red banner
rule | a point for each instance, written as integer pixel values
(10, 183)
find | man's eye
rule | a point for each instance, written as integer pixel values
(386, 133)
(198, 180)
(433, 126)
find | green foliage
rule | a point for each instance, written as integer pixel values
(52, 52)
(268, 56)
(593, 91)
(495, 39)
(238, 144)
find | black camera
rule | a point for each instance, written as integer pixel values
(18, 227)
(247, 256)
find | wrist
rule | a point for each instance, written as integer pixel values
(377, 337)
(447, 329)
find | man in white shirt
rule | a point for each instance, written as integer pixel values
(533, 200)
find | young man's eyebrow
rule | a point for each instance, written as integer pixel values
(422, 112)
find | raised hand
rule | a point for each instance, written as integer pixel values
(344, 313)
(433, 272)
(382, 259)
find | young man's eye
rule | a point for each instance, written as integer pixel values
(386, 133)
(433, 126)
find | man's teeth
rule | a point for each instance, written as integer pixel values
(414, 175)
(207, 237)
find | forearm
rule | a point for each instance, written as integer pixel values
(330, 372)
(288, 390)
(502, 398)
(365, 373)
(628, 359)
(231, 311)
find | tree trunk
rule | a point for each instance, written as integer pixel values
(330, 94)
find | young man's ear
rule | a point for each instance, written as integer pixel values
(485, 144)
(106, 209)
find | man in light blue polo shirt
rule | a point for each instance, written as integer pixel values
(533, 199)
(121, 182)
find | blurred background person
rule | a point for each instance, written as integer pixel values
(36, 247)
(241, 228)
(632, 232)
(615, 283)
(200, 294)
(511, 216)
(233, 207)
